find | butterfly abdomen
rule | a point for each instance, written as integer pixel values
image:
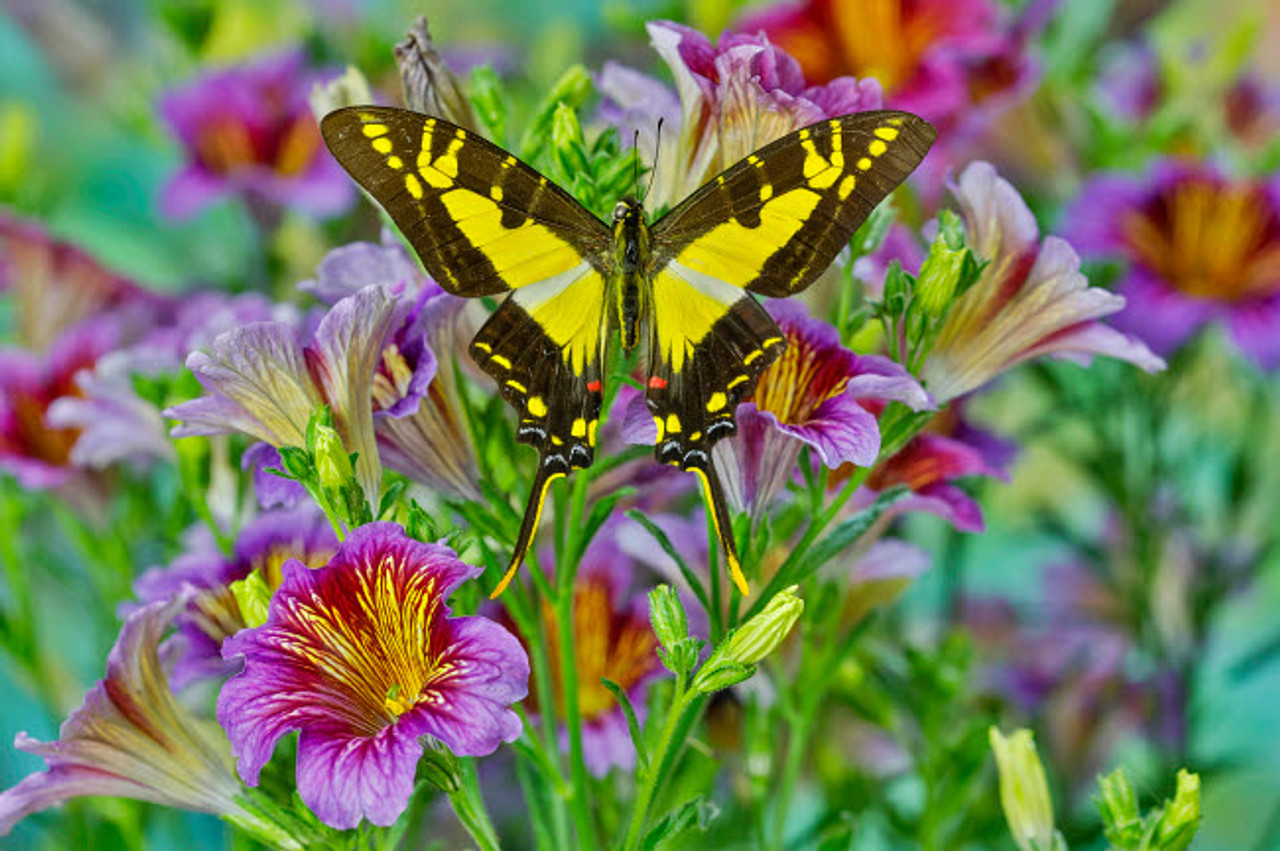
(631, 245)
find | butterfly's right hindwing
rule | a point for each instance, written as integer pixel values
(481, 221)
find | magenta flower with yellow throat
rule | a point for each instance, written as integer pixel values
(1200, 248)
(362, 658)
(1030, 299)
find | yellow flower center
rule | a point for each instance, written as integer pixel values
(884, 38)
(798, 382)
(1210, 241)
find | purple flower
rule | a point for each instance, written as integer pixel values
(418, 415)
(38, 454)
(1030, 299)
(131, 739)
(928, 465)
(55, 285)
(814, 396)
(735, 96)
(265, 383)
(203, 575)
(362, 658)
(1200, 248)
(249, 131)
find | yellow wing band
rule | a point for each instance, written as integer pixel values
(532, 514)
(723, 524)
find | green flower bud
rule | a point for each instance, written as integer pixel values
(333, 464)
(296, 462)
(1181, 817)
(666, 615)
(253, 597)
(939, 276)
(1024, 793)
(750, 643)
(1119, 808)
(439, 767)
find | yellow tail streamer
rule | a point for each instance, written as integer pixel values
(532, 514)
(724, 525)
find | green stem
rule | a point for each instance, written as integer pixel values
(566, 574)
(653, 775)
(468, 803)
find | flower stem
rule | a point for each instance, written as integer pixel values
(653, 774)
(469, 805)
(565, 577)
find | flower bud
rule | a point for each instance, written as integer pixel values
(666, 615)
(253, 597)
(1181, 817)
(1119, 809)
(750, 643)
(939, 276)
(1024, 793)
(350, 89)
(333, 464)
(440, 768)
(427, 83)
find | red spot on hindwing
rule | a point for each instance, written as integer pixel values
(657, 382)
(593, 386)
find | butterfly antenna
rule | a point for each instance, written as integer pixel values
(532, 514)
(657, 149)
(635, 162)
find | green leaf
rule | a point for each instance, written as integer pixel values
(697, 813)
(633, 725)
(669, 548)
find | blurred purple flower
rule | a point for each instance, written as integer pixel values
(55, 285)
(203, 575)
(734, 97)
(263, 381)
(1200, 248)
(362, 658)
(1029, 301)
(1129, 83)
(131, 739)
(37, 453)
(248, 131)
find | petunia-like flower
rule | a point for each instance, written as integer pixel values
(1030, 299)
(418, 415)
(265, 383)
(362, 658)
(814, 396)
(248, 131)
(54, 285)
(933, 57)
(203, 576)
(734, 97)
(1200, 248)
(38, 454)
(131, 739)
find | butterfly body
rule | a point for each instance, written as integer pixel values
(483, 223)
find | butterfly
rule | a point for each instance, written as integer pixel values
(484, 223)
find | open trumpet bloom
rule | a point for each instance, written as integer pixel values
(1029, 301)
(264, 382)
(131, 739)
(362, 658)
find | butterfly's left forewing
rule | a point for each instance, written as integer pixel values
(771, 224)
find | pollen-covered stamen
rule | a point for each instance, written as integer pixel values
(377, 643)
(1210, 240)
(391, 379)
(799, 381)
